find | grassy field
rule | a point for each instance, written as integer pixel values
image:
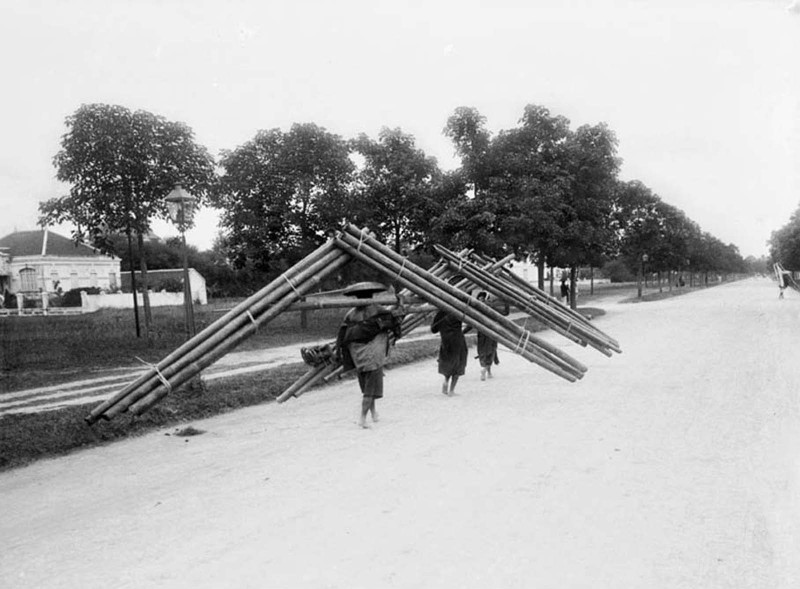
(37, 351)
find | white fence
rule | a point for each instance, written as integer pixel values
(124, 300)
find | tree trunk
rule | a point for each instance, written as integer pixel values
(148, 316)
(552, 292)
(133, 284)
(639, 273)
(591, 280)
(540, 272)
(660, 287)
(573, 287)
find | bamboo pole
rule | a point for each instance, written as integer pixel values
(228, 331)
(574, 331)
(144, 403)
(410, 322)
(554, 305)
(519, 346)
(480, 316)
(362, 239)
(227, 322)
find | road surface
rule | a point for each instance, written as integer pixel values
(672, 465)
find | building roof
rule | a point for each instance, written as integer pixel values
(37, 243)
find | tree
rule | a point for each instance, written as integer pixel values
(530, 175)
(120, 165)
(394, 187)
(637, 224)
(784, 243)
(591, 158)
(466, 128)
(280, 193)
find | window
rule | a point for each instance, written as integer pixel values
(93, 278)
(112, 281)
(27, 277)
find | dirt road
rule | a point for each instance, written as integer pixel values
(674, 464)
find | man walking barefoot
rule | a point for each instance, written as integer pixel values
(363, 342)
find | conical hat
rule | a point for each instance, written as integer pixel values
(363, 288)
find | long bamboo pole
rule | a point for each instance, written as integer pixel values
(211, 356)
(574, 331)
(225, 324)
(554, 306)
(411, 321)
(360, 239)
(480, 316)
(229, 331)
(482, 325)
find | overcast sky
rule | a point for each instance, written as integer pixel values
(704, 95)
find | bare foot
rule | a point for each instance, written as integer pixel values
(375, 416)
(444, 389)
(362, 423)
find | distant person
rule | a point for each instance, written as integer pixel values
(564, 289)
(487, 346)
(783, 282)
(363, 344)
(452, 360)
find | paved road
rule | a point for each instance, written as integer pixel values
(672, 465)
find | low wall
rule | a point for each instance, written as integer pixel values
(124, 300)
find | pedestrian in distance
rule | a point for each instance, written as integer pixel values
(487, 346)
(564, 289)
(362, 343)
(783, 282)
(452, 359)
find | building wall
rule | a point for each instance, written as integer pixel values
(50, 273)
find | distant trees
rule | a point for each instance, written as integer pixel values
(539, 190)
(784, 243)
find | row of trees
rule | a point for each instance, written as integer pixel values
(540, 190)
(784, 243)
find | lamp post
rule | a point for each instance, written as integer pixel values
(180, 206)
(641, 273)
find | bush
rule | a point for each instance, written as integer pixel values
(72, 298)
(618, 271)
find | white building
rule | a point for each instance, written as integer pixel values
(36, 261)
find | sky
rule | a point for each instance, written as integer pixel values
(703, 95)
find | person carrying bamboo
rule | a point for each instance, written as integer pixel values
(783, 282)
(487, 347)
(362, 343)
(452, 359)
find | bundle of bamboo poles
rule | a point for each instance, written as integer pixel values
(554, 315)
(780, 273)
(225, 333)
(415, 317)
(482, 317)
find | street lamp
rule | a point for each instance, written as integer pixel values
(180, 206)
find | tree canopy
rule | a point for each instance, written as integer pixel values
(120, 165)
